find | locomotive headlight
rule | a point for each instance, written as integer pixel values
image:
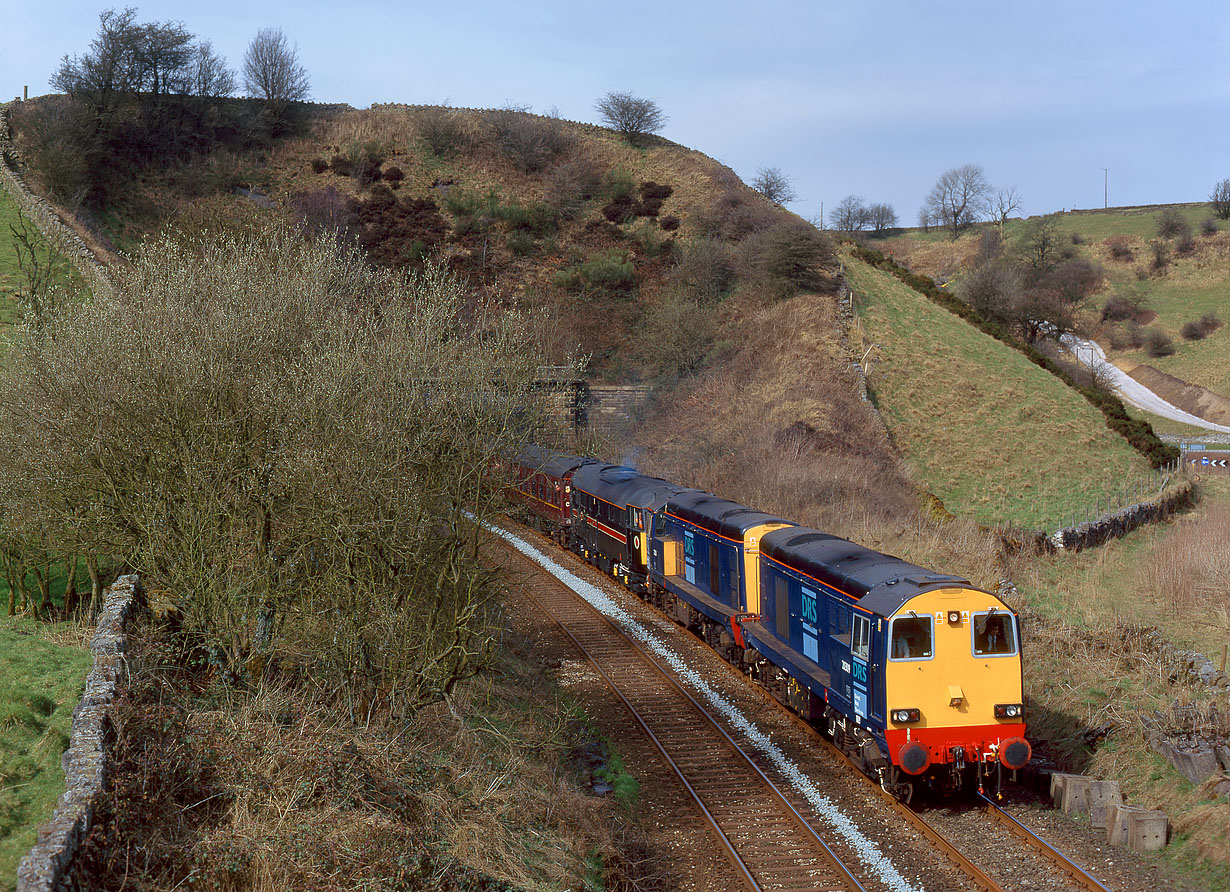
(1009, 710)
(905, 716)
(954, 617)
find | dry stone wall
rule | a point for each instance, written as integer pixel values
(48, 864)
(64, 239)
(1123, 521)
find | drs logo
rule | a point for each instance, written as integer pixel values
(808, 606)
(860, 672)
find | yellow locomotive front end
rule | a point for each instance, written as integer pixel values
(953, 684)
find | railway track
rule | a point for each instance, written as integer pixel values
(768, 841)
(764, 831)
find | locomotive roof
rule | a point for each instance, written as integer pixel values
(624, 486)
(879, 582)
(551, 462)
(726, 518)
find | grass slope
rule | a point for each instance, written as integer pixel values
(42, 674)
(985, 430)
(12, 279)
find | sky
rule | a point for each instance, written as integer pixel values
(875, 100)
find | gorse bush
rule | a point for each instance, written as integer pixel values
(291, 442)
(611, 270)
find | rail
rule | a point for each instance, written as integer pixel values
(1051, 853)
(768, 841)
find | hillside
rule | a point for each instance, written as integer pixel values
(656, 265)
(1152, 281)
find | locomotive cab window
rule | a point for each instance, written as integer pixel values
(861, 646)
(911, 638)
(994, 634)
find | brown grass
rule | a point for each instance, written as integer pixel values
(779, 426)
(272, 790)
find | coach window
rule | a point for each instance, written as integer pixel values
(861, 646)
(911, 638)
(994, 635)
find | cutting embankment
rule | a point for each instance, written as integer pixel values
(989, 433)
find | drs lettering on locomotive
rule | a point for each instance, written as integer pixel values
(809, 606)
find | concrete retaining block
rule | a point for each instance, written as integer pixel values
(1117, 823)
(1075, 797)
(1102, 796)
(1147, 830)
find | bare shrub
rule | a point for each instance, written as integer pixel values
(1183, 571)
(443, 129)
(573, 182)
(1201, 328)
(1158, 343)
(55, 135)
(1161, 257)
(531, 142)
(324, 211)
(1120, 247)
(1171, 224)
(1219, 199)
(1185, 244)
(1118, 308)
(679, 334)
(705, 269)
(1120, 338)
(289, 441)
(731, 215)
(1208, 226)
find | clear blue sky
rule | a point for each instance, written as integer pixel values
(872, 99)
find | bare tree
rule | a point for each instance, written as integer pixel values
(209, 74)
(1004, 203)
(1039, 245)
(850, 215)
(1219, 200)
(130, 60)
(958, 197)
(271, 69)
(110, 69)
(774, 185)
(881, 218)
(630, 115)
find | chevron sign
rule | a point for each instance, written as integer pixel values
(1208, 462)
